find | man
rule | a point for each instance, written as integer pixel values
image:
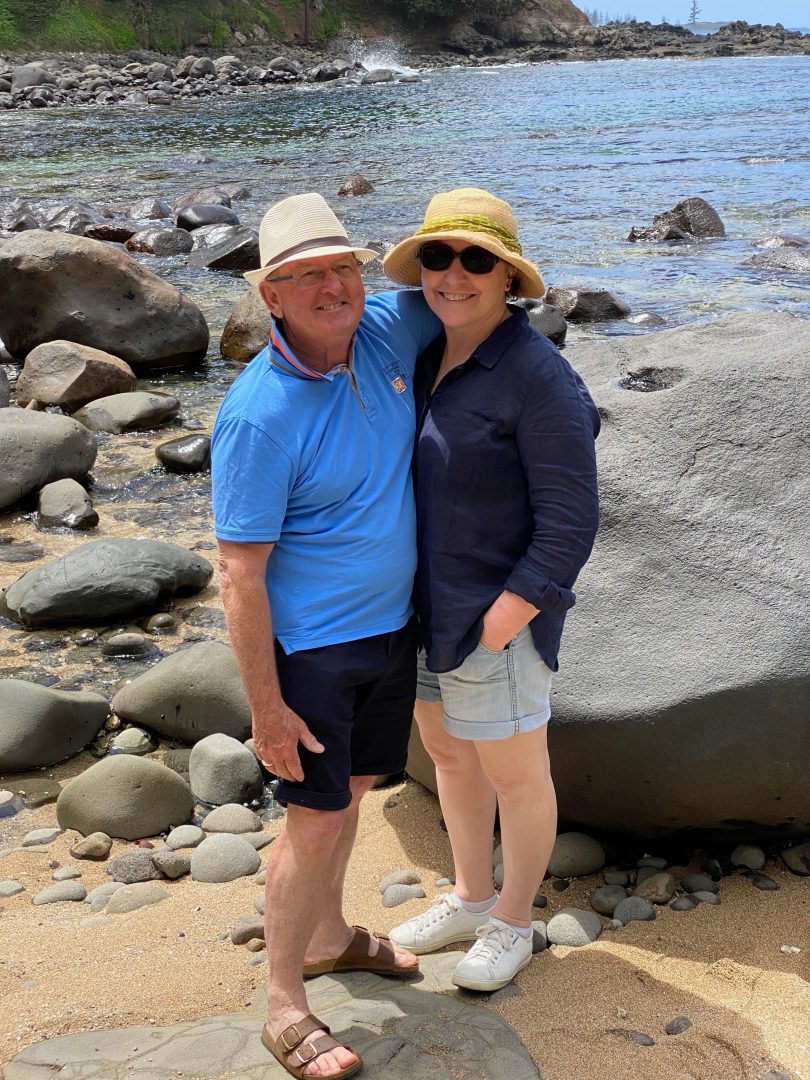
(314, 515)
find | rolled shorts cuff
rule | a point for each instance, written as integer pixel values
(427, 682)
(312, 800)
(503, 729)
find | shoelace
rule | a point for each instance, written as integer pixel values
(492, 941)
(440, 910)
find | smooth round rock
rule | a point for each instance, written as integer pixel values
(63, 890)
(66, 503)
(764, 883)
(247, 928)
(125, 796)
(232, 818)
(797, 858)
(9, 887)
(38, 837)
(693, 883)
(634, 909)
(659, 888)
(66, 873)
(189, 454)
(678, 1025)
(704, 896)
(132, 740)
(400, 877)
(128, 644)
(185, 836)
(222, 770)
(132, 897)
(37, 448)
(652, 860)
(575, 855)
(749, 856)
(97, 898)
(683, 903)
(617, 877)
(95, 846)
(605, 899)
(395, 895)
(40, 726)
(224, 857)
(574, 927)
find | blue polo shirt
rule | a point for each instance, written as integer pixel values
(319, 465)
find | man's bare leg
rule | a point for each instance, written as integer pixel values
(333, 934)
(300, 871)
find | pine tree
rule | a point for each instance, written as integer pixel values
(694, 12)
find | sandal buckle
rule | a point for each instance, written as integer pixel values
(306, 1052)
(289, 1047)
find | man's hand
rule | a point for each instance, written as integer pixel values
(276, 739)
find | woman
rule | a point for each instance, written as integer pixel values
(507, 508)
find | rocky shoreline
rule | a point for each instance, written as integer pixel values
(141, 77)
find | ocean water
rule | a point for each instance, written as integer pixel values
(583, 151)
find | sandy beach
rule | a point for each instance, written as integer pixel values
(63, 969)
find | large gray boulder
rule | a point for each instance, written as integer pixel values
(125, 796)
(682, 700)
(64, 373)
(221, 770)
(105, 299)
(193, 693)
(688, 219)
(103, 580)
(39, 725)
(139, 410)
(37, 448)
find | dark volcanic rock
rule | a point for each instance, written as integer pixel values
(790, 259)
(546, 319)
(228, 247)
(356, 185)
(102, 580)
(587, 305)
(157, 240)
(189, 454)
(691, 218)
(192, 217)
(104, 299)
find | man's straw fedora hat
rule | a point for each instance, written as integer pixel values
(301, 227)
(470, 214)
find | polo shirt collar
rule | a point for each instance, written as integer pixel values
(281, 356)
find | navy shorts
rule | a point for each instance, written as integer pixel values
(357, 699)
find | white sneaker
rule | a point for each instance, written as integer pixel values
(444, 923)
(494, 960)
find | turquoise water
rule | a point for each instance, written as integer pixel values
(584, 151)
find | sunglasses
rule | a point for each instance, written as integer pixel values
(439, 256)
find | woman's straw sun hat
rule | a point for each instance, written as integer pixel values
(301, 227)
(470, 214)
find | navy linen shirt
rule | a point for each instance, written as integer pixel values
(506, 493)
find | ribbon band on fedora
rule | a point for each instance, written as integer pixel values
(475, 222)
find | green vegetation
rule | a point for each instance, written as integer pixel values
(419, 12)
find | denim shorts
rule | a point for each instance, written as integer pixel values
(491, 695)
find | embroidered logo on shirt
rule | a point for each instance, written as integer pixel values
(395, 373)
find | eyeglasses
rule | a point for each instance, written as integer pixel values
(345, 269)
(439, 256)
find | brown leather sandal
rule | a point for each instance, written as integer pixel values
(356, 958)
(294, 1052)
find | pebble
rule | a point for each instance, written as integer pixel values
(40, 836)
(683, 903)
(635, 1036)
(748, 856)
(605, 899)
(246, 928)
(400, 894)
(659, 889)
(126, 645)
(617, 877)
(259, 839)
(171, 864)
(9, 887)
(63, 890)
(634, 909)
(9, 803)
(443, 882)
(132, 740)
(792, 949)
(693, 883)
(574, 927)
(256, 945)
(678, 1025)
(653, 860)
(97, 898)
(703, 896)
(713, 868)
(645, 873)
(763, 882)
(185, 836)
(259, 903)
(258, 959)
(96, 845)
(400, 877)
(66, 873)
(133, 866)
(797, 858)
(232, 818)
(575, 855)
(540, 901)
(132, 897)
(85, 637)
(560, 885)
(539, 936)
(163, 623)
(224, 857)
(261, 876)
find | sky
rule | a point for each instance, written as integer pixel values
(791, 13)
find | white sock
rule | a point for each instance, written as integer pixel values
(522, 931)
(478, 908)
